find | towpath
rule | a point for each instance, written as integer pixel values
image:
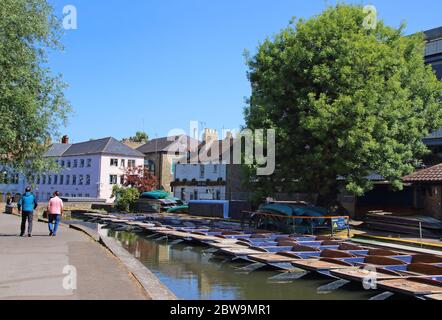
(70, 266)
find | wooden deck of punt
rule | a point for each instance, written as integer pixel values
(333, 263)
(198, 237)
(223, 242)
(158, 230)
(320, 264)
(239, 251)
(437, 297)
(222, 245)
(412, 286)
(271, 258)
(358, 274)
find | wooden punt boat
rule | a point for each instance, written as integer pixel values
(358, 274)
(414, 286)
(239, 252)
(340, 259)
(223, 245)
(284, 257)
(435, 297)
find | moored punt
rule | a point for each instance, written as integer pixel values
(340, 259)
(414, 286)
(239, 252)
(435, 297)
(358, 274)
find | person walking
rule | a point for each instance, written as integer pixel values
(9, 200)
(26, 206)
(55, 211)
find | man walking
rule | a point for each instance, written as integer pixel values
(26, 206)
(55, 211)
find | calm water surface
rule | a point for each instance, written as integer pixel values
(193, 274)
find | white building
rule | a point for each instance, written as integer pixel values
(200, 181)
(11, 184)
(87, 170)
(215, 180)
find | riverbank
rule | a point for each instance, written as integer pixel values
(71, 266)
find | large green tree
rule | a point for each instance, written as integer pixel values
(345, 100)
(32, 102)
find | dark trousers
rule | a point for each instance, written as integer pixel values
(26, 216)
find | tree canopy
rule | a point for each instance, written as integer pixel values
(140, 137)
(346, 101)
(32, 102)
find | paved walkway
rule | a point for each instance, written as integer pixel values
(33, 268)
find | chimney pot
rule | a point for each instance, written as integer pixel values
(65, 140)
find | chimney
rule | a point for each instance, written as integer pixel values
(65, 140)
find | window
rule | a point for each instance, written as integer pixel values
(74, 180)
(113, 179)
(202, 169)
(61, 179)
(172, 167)
(150, 165)
(80, 180)
(49, 179)
(66, 195)
(62, 163)
(87, 195)
(123, 163)
(89, 163)
(68, 164)
(75, 163)
(68, 180)
(80, 195)
(215, 168)
(114, 162)
(44, 179)
(55, 179)
(82, 163)
(121, 180)
(88, 179)
(131, 163)
(195, 194)
(38, 179)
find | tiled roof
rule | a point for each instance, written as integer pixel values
(166, 144)
(57, 150)
(109, 146)
(432, 174)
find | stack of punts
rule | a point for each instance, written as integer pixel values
(418, 275)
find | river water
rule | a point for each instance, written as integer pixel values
(193, 274)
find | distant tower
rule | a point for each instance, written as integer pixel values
(210, 135)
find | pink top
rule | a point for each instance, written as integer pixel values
(55, 205)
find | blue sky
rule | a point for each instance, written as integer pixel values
(155, 65)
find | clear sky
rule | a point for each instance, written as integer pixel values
(155, 65)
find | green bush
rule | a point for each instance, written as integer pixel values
(125, 198)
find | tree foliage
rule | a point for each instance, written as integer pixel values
(140, 137)
(32, 102)
(125, 198)
(345, 101)
(140, 178)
